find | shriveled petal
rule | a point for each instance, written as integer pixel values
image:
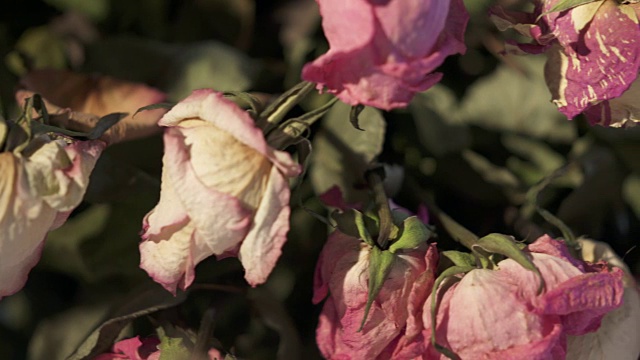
(226, 165)
(338, 245)
(617, 338)
(24, 222)
(262, 246)
(59, 173)
(598, 55)
(480, 329)
(212, 107)
(168, 256)
(623, 111)
(584, 299)
(99, 96)
(220, 220)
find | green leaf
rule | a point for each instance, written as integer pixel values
(354, 223)
(276, 316)
(37, 48)
(495, 102)
(439, 129)
(96, 10)
(380, 263)
(507, 246)
(342, 154)
(413, 233)
(459, 258)
(178, 69)
(140, 303)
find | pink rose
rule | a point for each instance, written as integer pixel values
(394, 323)
(82, 99)
(39, 187)
(225, 192)
(383, 52)
(497, 314)
(593, 56)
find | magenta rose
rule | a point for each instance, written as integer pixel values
(394, 324)
(225, 192)
(498, 314)
(593, 56)
(383, 52)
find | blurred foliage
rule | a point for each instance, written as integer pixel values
(486, 145)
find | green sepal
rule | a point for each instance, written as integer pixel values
(380, 263)
(275, 112)
(293, 130)
(459, 258)
(354, 113)
(40, 128)
(104, 124)
(507, 246)
(162, 105)
(452, 271)
(567, 234)
(563, 5)
(172, 347)
(354, 223)
(458, 232)
(242, 97)
(413, 233)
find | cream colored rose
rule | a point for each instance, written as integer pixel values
(39, 187)
(224, 192)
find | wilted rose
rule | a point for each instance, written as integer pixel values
(80, 100)
(39, 187)
(498, 314)
(225, 192)
(394, 323)
(593, 56)
(143, 349)
(383, 52)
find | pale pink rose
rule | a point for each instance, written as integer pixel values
(593, 55)
(498, 314)
(39, 187)
(383, 52)
(145, 349)
(225, 192)
(83, 99)
(394, 324)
